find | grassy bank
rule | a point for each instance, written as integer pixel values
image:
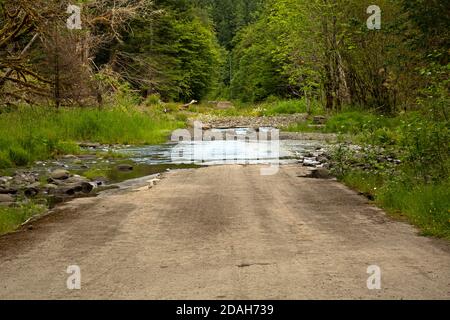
(11, 218)
(31, 134)
(272, 107)
(38, 133)
(417, 189)
(425, 205)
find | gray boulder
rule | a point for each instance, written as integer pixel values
(50, 186)
(4, 180)
(8, 190)
(60, 174)
(73, 189)
(32, 190)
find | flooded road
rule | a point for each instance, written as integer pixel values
(104, 167)
(227, 146)
(223, 152)
(238, 149)
(214, 231)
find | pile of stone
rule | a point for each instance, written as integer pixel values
(279, 121)
(61, 183)
(21, 182)
(369, 158)
(316, 159)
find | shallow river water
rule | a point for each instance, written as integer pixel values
(152, 159)
(232, 146)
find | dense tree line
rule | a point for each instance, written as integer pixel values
(230, 16)
(324, 49)
(166, 47)
(175, 55)
(242, 49)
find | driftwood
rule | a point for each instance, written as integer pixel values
(187, 105)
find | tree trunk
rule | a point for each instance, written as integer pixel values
(57, 83)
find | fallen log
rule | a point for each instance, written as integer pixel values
(187, 105)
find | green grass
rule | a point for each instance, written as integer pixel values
(29, 134)
(364, 182)
(269, 108)
(303, 127)
(39, 133)
(290, 107)
(426, 206)
(418, 189)
(12, 218)
(347, 122)
(354, 122)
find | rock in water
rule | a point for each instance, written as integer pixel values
(60, 174)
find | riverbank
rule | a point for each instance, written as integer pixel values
(35, 138)
(401, 163)
(27, 190)
(39, 133)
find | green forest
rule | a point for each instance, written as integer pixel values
(243, 50)
(121, 76)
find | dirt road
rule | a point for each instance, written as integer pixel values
(224, 232)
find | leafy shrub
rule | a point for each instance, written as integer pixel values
(153, 99)
(383, 136)
(426, 146)
(418, 187)
(272, 99)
